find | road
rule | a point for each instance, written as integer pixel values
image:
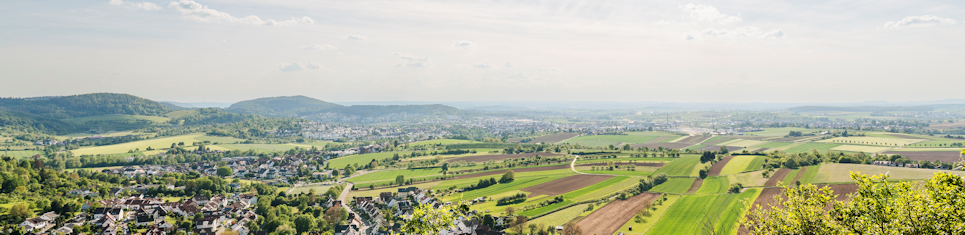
(573, 165)
(342, 198)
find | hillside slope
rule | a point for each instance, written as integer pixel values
(282, 106)
(64, 107)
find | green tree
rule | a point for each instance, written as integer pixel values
(429, 220)
(224, 171)
(19, 212)
(399, 180)
(285, 230)
(304, 223)
(509, 176)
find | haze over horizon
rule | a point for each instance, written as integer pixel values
(359, 51)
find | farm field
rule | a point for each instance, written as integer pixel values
(20, 154)
(808, 176)
(158, 143)
(603, 189)
(390, 175)
(609, 218)
(84, 135)
(779, 131)
(864, 140)
(838, 172)
(619, 172)
(561, 217)
(442, 142)
(551, 138)
(500, 157)
(655, 215)
(714, 185)
(674, 185)
(722, 211)
(820, 147)
(262, 148)
(566, 184)
(791, 175)
(860, 148)
(680, 167)
(742, 143)
(717, 167)
(748, 179)
(361, 159)
(717, 139)
(944, 156)
(771, 145)
(606, 140)
(738, 164)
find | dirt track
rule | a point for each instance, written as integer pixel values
(944, 156)
(800, 173)
(715, 169)
(500, 157)
(565, 185)
(694, 187)
(610, 218)
(777, 177)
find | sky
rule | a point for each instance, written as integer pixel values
(502, 50)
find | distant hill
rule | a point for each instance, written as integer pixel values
(295, 106)
(197, 104)
(500, 108)
(64, 107)
(803, 109)
(282, 106)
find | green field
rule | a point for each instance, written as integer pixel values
(756, 164)
(21, 154)
(613, 187)
(714, 185)
(821, 147)
(158, 143)
(865, 140)
(680, 167)
(737, 164)
(319, 189)
(606, 140)
(789, 178)
(771, 145)
(742, 143)
(361, 159)
(837, 172)
(694, 211)
(261, 148)
(390, 175)
(860, 148)
(443, 142)
(620, 172)
(655, 215)
(561, 217)
(779, 131)
(809, 174)
(674, 185)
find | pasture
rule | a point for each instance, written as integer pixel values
(674, 185)
(606, 140)
(21, 154)
(838, 172)
(443, 142)
(561, 217)
(738, 164)
(361, 159)
(157, 143)
(860, 148)
(319, 189)
(820, 147)
(742, 143)
(648, 222)
(681, 167)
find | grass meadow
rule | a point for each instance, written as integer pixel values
(722, 211)
(838, 172)
(681, 167)
(714, 185)
(674, 185)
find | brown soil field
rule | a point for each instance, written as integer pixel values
(565, 185)
(715, 169)
(500, 172)
(944, 156)
(725, 139)
(800, 173)
(946, 125)
(662, 139)
(500, 157)
(693, 139)
(777, 177)
(717, 148)
(694, 187)
(610, 218)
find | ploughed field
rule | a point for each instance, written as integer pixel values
(500, 157)
(607, 220)
(566, 184)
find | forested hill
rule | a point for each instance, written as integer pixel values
(63, 107)
(296, 106)
(283, 106)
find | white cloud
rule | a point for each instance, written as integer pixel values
(483, 65)
(355, 37)
(551, 70)
(921, 21)
(465, 44)
(292, 67)
(412, 61)
(741, 32)
(707, 13)
(316, 47)
(517, 76)
(508, 64)
(139, 5)
(664, 22)
(195, 11)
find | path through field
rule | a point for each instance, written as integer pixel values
(694, 187)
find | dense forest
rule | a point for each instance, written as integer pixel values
(63, 107)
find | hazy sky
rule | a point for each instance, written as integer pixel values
(595, 50)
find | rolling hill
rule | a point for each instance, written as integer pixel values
(296, 106)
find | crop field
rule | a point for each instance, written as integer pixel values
(748, 179)
(717, 167)
(722, 211)
(648, 222)
(158, 143)
(552, 138)
(742, 143)
(561, 217)
(500, 157)
(779, 131)
(691, 139)
(680, 167)
(262, 148)
(361, 159)
(566, 184)
(838, 172)
(603, 189)
(738, 164)
(808, 176)
(865, 140)
(674, 185)
(319, 189)
(860, 148)
(821, 147)
(390, 175)
(606, 140)
(791, 175)
(717, 139)
(619, 172)
(771, 145)
(944, 156)
(442, 142)
(20, 154)
(609, 218)
(714, 185)
(777, 177)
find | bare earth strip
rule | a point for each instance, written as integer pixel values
(800, 173)
(777, 177)
(565, 185)
(607, 220)
(694, 187)
(718, 141)
(715, 169)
